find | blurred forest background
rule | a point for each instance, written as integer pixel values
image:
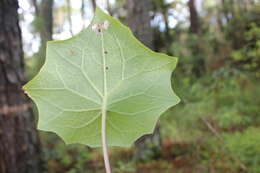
(215, 128)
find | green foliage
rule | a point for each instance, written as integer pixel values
(67, 159)
(37, 24)
(249, 53)
(243, 31)
(246, 146)
(233, 40)
(193, 57)
(102, 69)
(229, 100)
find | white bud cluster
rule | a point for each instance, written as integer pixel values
(99, 27)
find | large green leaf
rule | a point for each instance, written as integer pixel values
(112, 71)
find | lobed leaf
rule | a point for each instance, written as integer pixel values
(110, 70)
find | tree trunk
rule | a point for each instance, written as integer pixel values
(43, 13)
(168, 39)
(225, 9)
(94, 5)
(194, 20)
(20, 147)
(109, 8)
(138, 18)
(47, 22)
(82, 11)
(69, 17)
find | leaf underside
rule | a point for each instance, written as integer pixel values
(69, 89)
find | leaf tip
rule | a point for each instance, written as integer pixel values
(24, 89)
(178, 100)
(98, 10)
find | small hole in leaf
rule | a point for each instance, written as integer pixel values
(105, 52)
(106, 68)
(72, 52)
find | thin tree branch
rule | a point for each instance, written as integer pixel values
(109, 7)
(216, 133)
(94, 5)
(69, 16)
(34, 2)
(82, 10)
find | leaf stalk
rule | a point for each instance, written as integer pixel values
(104, 112)
(104, 141)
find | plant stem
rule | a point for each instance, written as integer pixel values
(104, 112)
(104, 141)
